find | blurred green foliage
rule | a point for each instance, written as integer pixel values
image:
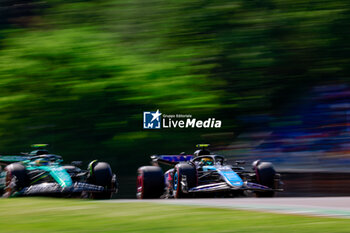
(79, 74)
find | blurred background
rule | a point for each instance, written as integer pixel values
(78, 75)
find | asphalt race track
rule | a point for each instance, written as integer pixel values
(315, 206)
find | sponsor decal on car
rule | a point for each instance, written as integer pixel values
(176, 158)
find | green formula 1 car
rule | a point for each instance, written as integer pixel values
(42, 173)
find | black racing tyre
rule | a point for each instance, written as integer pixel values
(102, 175)
(184, 169)
(265, 175)
(150, 182)
(16, 178)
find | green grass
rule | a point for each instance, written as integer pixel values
(61, 215)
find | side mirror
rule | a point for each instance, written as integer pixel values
(256, 163)
(240, 162)
(77, 163)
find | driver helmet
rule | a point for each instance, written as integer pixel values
(42, 162)
(207, 161)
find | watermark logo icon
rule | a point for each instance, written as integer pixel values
(151, 120)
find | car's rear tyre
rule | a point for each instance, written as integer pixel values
(150, 182)
(181, 170)
(265, 175)
(16, 178)
(101, 174)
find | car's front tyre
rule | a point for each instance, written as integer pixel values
(265, 175)
(100, 173)
(183, 171)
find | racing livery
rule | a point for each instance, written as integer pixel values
(205, 174)
(42, 173)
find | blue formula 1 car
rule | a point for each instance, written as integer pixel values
(42, 173)
(205, 175)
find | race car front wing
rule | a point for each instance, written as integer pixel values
(46, 188)
(223, 186)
